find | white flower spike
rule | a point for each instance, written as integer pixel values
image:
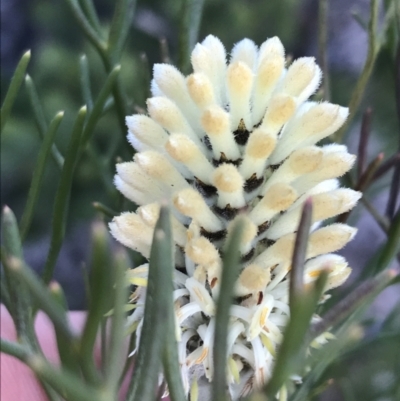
(235, 137)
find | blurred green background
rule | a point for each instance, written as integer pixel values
(49, 29)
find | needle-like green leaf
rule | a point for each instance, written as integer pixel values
(13, 89)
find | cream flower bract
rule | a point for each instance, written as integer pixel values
(235, 138)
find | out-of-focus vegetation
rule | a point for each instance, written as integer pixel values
(370, 371)
(57, 45)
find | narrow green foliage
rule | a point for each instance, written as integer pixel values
(114, 363)
(143, 385)
(299, 254)
(100, 282)
(10, 233)
(19, 351)
(388, 251)
(86, 27)
(320, 359)
(196, 13)
(91, 15)
(361, 296)
(392, 246)
(191, 13)
(322, 46)
(292, 350)
(302, 307)
(36, 106)
(40, 119)
(58, 294)
(4, 293)
(170, 357)
(120, 24)
(98, 107)
(20, 309)
(105, 210)
(13, 89)
(85, 82)
(65, 382)
(68, 358)
(38, 172)
(373, 49)
(60, 211)
(360, 21)
(171, 360)
(230, 272)
(41, 296)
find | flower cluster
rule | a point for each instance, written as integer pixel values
(236, 138)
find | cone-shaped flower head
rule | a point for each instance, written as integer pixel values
(235, 138)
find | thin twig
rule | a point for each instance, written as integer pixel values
(382, 221)
(105, 210)
(364, 182)
(393, 161)
(366, 178)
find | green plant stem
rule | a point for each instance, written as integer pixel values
(4, 294)
(85, 82)
(37, 176)
(96, 113)
(128, 359)
(171, 361)
(364, 182)
(110, 52)
(67, 384)
(323, 46)
(16, 350)
(292, 350)
(230, 272)
(183, 55)
(19, 297)
(13, 89)
(395, 184)
(40, 119)
(108, 212)
(115, 352)
(296, 286)
(87, 28)
(68, 359)
(23, 353)
(158, 296)
(103, 340)
(91, 14)
(43, 298)
(170, 356)
(196, 13)
(61, 204)
(190, 18)
(100, 282)
(392, 246)
(322, 358)
(367, 176)
(373, 49)
(120, 24)
(361, 296)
